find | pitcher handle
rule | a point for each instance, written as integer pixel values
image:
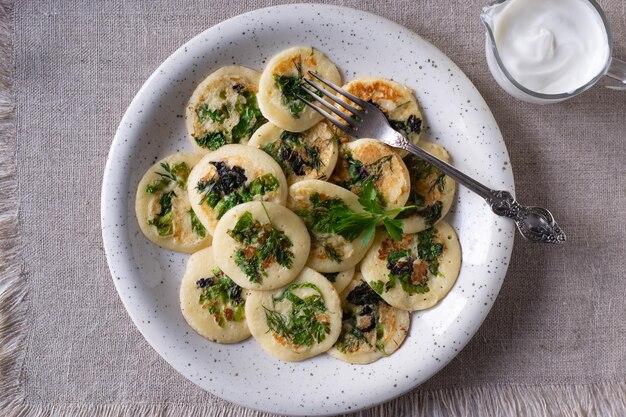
(617, 72)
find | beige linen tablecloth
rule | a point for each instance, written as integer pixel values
(554, 343)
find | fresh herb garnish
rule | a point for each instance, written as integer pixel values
(332, 215)
(163, 219)
(262, 244)
(221, 297)
(293, 155)
(306, 323)
(228, 189)
(290, 88)
(196, 226)
(177, 173)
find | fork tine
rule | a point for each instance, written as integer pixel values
(332, 97)
(339, 90)
(345, 128)
(352, 122)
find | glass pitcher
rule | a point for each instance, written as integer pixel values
(614, 69)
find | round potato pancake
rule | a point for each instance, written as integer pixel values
(163, 209)
(371, 328)
(223, 108)
(314, 201)
(311, 154)
(340, 280)
(261, 246)
(211, 303)
(232, 175)
(298, 321)
(432, 192)
(369, 160)
(281, 83)
(416, 272)
(395, 100)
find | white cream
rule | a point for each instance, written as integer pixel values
(550, 46)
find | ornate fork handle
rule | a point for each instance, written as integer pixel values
(534, 223)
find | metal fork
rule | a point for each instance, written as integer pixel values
(534, 223)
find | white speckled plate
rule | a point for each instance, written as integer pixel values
(147, 277)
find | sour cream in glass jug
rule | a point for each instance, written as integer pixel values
(545, 51)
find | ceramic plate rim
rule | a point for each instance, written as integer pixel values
(114, 212)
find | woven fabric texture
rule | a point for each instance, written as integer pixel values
(558, 322)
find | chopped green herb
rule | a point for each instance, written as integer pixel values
(262, 244)
(359, 174)
(411, 270)
(290, 88)
(293, 155)
(378, 286)
(216, 116)
(412, 125)
(400, 266)
(307, 321)
(331, 276)
(362, 321)
(228, 189)
(332, 253)
(221, 297)
(430, 213)
(250, 117)
(163, 219)
(177, 173)
(362, 295)
(428, 250)
(211, 140)
(196, 226)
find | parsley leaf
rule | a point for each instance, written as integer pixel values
(332, 215)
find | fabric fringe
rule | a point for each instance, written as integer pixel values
(13, 286)
(601, 400)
